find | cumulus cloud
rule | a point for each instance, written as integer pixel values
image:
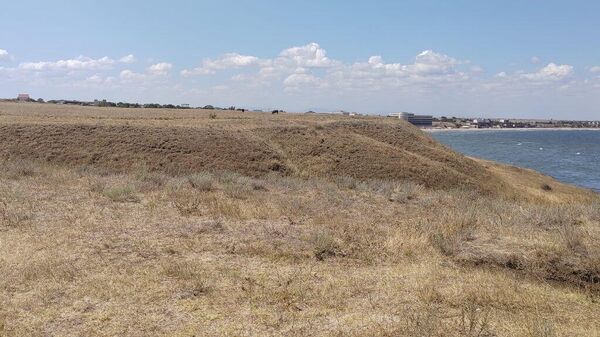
(154, 72)
(429, 68)
(535, 60)
(310, 55)
(309, 65)
(159, 69)
(551, 72)
(595, 69)
(430, 62)
(427, 63)
(227, 61)
(128, 59)
(80, 63)
(129, 75)
(3, 54)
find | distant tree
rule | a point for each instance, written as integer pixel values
(40, 100)
(208, 107)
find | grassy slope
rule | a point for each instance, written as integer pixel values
(98, 248)
(250, 143)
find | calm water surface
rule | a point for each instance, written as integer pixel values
(572, 156)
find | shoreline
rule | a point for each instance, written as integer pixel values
(507, 129)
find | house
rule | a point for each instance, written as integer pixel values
(23, 98)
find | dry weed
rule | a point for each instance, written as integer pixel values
(204, 182)
(121, 193)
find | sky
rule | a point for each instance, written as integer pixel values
(527, 59)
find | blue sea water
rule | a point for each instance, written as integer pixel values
(571, 156)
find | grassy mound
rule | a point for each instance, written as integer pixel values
(250, 143)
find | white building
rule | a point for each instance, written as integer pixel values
(419, 120)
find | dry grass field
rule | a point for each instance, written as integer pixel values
(123, 222)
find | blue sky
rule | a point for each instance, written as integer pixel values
(469, 58)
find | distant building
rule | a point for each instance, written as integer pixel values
(418, 120)
(482, 123)
(23, 98)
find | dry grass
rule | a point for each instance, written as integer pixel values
(86, 250)
(295, 256)
(253, 144)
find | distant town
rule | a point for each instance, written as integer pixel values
(423, 121)
(502, 123)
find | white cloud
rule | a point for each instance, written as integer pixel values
(128, 59)
(232, 60)
(80, 63)
(595, 69)
(430, 62)
(154, 72)
(310, 55)
(535, 60)
(429, 68)
(159, 69)
(227, 61)
(128, 75)
(3, 54)
(551, 72)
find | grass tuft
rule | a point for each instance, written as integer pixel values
(204, 182)
(121, 193)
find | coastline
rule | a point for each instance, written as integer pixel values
(506, 129)
(571, 165)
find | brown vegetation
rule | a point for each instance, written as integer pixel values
(249, 143)
(217, 247)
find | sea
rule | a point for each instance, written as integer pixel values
(571, 156)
